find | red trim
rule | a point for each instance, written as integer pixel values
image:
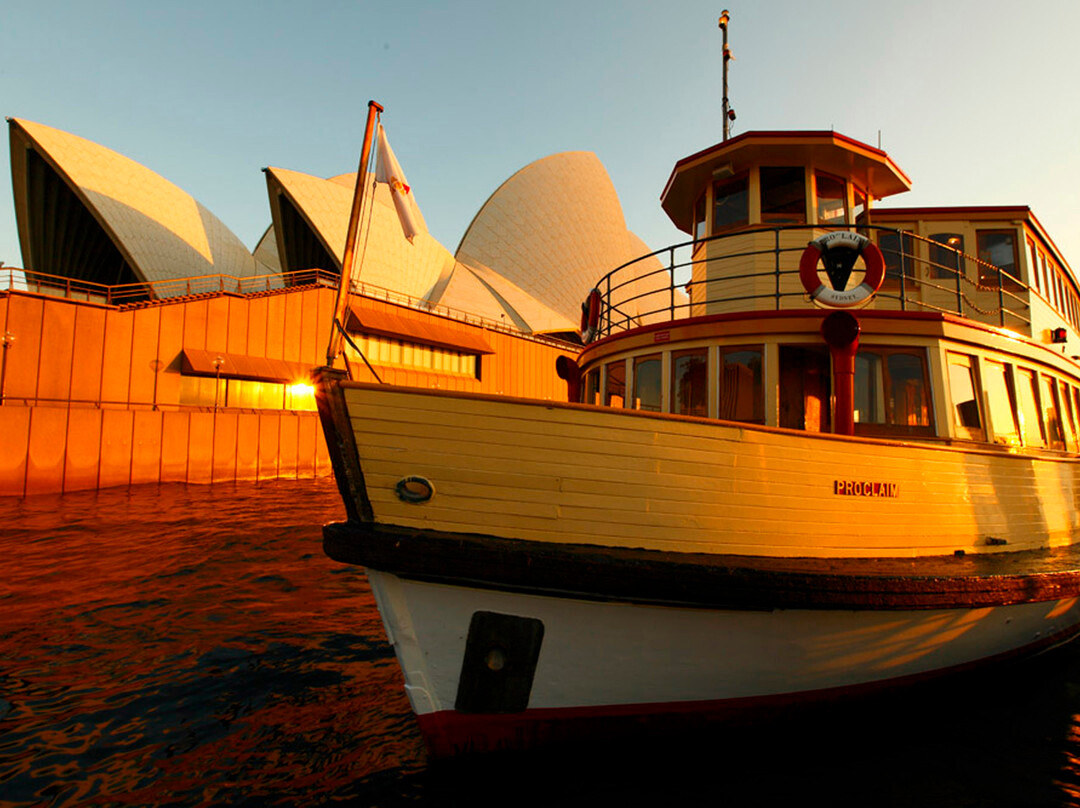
(448, 733)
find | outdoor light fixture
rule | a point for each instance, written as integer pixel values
(1058, 336)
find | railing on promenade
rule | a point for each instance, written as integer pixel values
(171, 290)
(758, 269)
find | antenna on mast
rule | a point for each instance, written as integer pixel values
(728, 112)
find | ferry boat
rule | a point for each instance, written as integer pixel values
(834, 448)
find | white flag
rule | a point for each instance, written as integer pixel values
(387, 170)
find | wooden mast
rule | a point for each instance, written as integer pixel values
(345, 283)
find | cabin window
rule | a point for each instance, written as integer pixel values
(699, 218)
(1001, 402)
(963, 387)
(690, 382)
(1068, 416)
(998, 248)
(859, 209)
(804, 388)
(945, 256)
(647, 376)
(891, 392)
(1051, 409)
(741, 393)
(1035, 274)
(591, 389)
(731, 203)
(1027, 396)
(898, 250)
(831, 199)
(615, 384)
(783, 195)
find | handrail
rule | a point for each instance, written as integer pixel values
(756, 268)
(160, 292)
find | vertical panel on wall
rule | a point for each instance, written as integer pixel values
(89, 350)
(247, 446)
(146, 447)
(305, 444)
(275, 326)
(195, 324)
(200, 447)
(238, 325)
(293, 321)
(217, 324)
(83, 454)
(57, 345)
(225, 447)
(170, 344)
(256, 320)
(116, 428)
(269, 440)
(310, 329)
(287, 447)
(45, 457)
(144, 353)
(324, 323)
(322, 453)
(116, 360)
(24, 324)
(174, 447)
(15, 427)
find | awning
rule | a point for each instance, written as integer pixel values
(430, 331)
(240, 366)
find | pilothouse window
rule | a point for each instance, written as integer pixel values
(731, 203)
(783, 195)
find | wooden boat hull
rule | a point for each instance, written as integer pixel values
(604, 666)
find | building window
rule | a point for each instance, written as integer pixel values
(831, 200)
(998, 248)
(615, 385)
(202, 391)
(946, 261)
(690, 382)
(963, 387)
(741, 393)
(647, 378)
(389, 352)
(731, 203)
(783, 195)
(891, 392)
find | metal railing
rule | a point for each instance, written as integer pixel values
(170, 291)
(757, 269)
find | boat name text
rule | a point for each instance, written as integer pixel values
(859, 488)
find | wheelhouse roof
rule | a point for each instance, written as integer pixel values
(827, 151)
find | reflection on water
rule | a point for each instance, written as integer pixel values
(190, 646)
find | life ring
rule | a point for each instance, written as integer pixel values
(590, 317)
(842, 239)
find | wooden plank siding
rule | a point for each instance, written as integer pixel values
(570, 474)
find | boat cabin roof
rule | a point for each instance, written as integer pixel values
(827, 151)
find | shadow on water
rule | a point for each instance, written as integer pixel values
(188, 646)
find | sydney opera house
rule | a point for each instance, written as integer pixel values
(144, 342)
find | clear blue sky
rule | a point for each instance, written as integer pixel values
(977, 100)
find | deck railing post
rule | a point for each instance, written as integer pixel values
(959, 289)
(903, 270)
(671, 269)
(776, 251)
(1001, 298)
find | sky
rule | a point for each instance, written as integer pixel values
(978, 101)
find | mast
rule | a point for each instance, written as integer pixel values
(345, 282)
(728, 112)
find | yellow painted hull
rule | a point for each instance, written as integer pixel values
(585, 475)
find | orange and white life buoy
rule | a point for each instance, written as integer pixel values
(841, 240)
(590, 317)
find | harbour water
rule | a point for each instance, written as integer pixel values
(178, 646)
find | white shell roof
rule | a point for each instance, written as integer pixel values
(553, 229)
(161, 229)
